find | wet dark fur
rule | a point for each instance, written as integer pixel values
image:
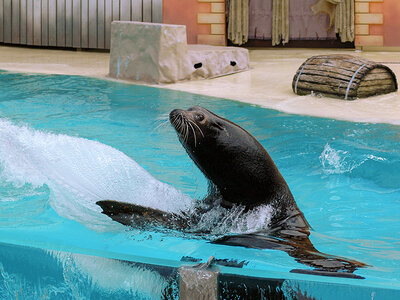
(240, 172)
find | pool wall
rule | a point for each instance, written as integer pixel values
(34, 273)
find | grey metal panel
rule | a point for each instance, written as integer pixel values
(136, 14)
(7, 20)
(1, 22)
(45, 23)
(125, 10)
(52, 16)
(15, 22)
(22, 22)
(146, 11)
(100, 24)
(60, 23)
(156, 11)
(92, 23)
(68, 23)
(107, 21)
(29, 22)
(37, 23)
(85, 24)
(76, 23)
(115, 8)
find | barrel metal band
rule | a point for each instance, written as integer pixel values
(351, 81)
(298, 77)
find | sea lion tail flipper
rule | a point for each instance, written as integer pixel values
(131, 214)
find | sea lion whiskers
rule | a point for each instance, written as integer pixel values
(162, 124)
(194, 134)
(197, 127)
(177, 122)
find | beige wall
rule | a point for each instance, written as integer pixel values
(391, 28)
(377, 23)
(204, 19)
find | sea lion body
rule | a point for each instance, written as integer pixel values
(235, 162)
(241, 173)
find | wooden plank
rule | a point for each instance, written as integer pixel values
(45, 23)
(322, 68)
(115, 10)
(136, 14)
(328, 75)
(76, 23)
(29, 22)
(377, 76)
(22, 22)
(340, 65)
(85, 24)
(303, 92)
(146, 11)
(375, 90)
(92, 23)
(52, 16)
(156, 11)
(61, 23)
(376, 83)
(326, 88)
(107, 23)
(37, 22)
(125, 10)
(100, 24)
(15, 22)
(7, 21)
(68, 23)
(333, 82)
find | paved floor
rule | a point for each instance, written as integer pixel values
(268, 83)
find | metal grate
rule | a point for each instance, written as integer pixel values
(70, 23)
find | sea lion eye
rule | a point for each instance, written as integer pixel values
(199, 117)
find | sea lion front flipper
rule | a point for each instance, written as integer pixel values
(130, 214)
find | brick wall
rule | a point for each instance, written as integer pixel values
(369, 29)
(211, 17)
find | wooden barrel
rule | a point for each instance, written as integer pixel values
(343, 76)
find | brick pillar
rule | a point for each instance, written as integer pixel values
(212, 15)
(369, 23)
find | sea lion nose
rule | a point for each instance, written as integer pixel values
(174, 113)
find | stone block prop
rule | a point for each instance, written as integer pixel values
(158, 53)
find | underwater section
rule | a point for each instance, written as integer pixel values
(69, 141)
(32, 273)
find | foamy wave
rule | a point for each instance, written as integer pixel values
(80, 172)
(110, 275)
(340, 161)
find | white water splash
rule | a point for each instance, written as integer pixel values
(220, 221)
(340, 161)
(110, 275)
(80, 172)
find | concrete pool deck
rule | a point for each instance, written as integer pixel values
(268, 83)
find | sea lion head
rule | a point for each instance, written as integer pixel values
(195, 126)
(230, 157)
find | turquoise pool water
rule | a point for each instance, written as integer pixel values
(67, 142)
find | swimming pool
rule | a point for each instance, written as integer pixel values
(67, 142)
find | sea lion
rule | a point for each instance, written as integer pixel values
(241, 173)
